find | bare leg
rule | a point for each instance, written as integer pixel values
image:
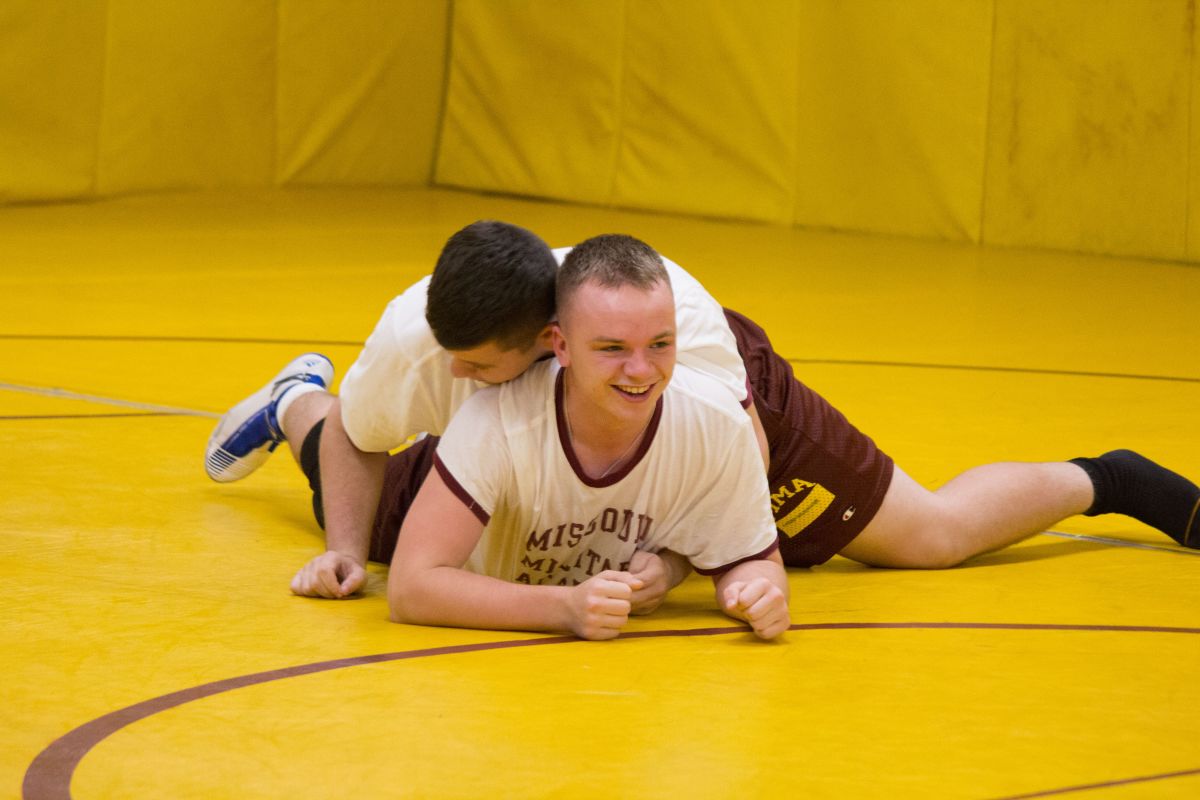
(307, 410)
(983, 509)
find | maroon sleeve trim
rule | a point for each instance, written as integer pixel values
(757, 557)
(749, 401)
(459, 492)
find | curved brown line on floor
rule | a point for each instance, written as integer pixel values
(49, 775)
(1183, 773)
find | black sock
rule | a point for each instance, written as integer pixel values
(1130, 484)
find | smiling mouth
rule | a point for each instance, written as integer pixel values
(632, 390)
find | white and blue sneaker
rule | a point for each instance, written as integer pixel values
(250, 431)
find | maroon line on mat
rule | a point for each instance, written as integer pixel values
(49, 775)
(1104, 785)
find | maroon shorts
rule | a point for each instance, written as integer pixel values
(827, 478)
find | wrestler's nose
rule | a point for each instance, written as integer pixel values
(638, 366)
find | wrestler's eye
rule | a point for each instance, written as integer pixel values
(662, 344)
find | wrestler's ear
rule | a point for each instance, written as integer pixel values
(560, 345)
(544, 341)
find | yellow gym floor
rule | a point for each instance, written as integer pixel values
(152, 648)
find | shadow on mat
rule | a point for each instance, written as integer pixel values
(1009, 555)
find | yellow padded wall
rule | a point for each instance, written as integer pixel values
(868, 116)
(359, 90)
(1012, 122)
(51, 80)
(1088, 141)
(189, 95)
(101, 97)
(708, 117)
(892, 115)
(641, 104)
(1192, 252)
(532, 103)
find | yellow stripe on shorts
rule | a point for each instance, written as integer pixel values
(807, 512)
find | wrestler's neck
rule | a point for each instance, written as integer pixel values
(603, 438)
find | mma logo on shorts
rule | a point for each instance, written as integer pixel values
(807, 502)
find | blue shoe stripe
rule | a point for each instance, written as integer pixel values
(254, 433)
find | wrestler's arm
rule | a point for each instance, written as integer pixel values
(427, 584)
(756, 592)
(351, 482)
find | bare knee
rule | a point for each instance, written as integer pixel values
(913, 529)
(937, 546)
(927, 546)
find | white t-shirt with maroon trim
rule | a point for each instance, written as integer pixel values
(695, 486)
(401, 383)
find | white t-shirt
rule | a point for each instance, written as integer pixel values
(401, 384)
(696, 485)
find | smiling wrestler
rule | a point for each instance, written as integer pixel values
(544, 489)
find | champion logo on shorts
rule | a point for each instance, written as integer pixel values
(848, 513)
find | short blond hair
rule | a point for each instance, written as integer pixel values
(611, 260)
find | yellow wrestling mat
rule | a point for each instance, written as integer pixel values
(152, 648)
